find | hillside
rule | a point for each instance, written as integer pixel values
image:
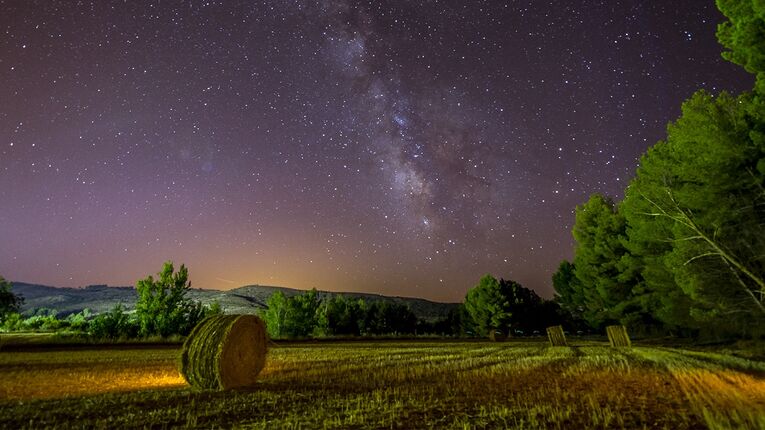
(244, 300)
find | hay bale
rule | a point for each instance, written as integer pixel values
(497, 335)
(224, 352)
(617, 335)
(556, 336)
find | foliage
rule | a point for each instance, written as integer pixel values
(275, 315)
(488, 308)
(162, 307)
(47, 320)
(9, 302)
(685, 248)
(568, 290)
(338, 316)
(389, 318)
(43, 320)
(115, 324)
(303, 315)
(599, 232)
(79, 321)
(695, 211)
(12, 322)
(506, 305)
(744, 36)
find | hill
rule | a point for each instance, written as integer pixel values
(243, 300)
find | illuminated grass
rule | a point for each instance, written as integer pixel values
(394, 385)
(35, 375)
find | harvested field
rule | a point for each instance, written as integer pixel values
(412, 384)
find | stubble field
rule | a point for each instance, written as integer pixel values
(406, 384)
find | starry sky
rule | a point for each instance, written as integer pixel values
(395, 147)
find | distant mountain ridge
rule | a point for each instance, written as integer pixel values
(243, 300)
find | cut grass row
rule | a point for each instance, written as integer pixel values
(393, 385)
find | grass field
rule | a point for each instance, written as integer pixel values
(392, 385)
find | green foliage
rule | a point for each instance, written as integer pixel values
(744, 35)
(494, 305)
(695, 210)
(488, 307)
(301, 314)
(213, 309)
(568, 290)
(12, 322)
(9, 303)
(43, 320)
(162, 307)
(275, 315)
(338, 316)
(686, 245)
(115, 324)
(79, 321)
(599, 232)
(305, 314)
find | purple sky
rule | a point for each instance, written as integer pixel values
(402, 148)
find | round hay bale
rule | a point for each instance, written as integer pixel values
(224, 352)
(497, 336)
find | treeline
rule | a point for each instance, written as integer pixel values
(306, 315)
(684, 252)
(162, 310)
(493, 306)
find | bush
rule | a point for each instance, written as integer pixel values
(163, 308)
(79, 321)
(12, 322)
(114, 324)
(43, 320)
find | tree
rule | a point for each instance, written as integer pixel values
(162, 307)
(523, 304)
(488, 307)
(568, 289)
(114, 324)
(384, 317)
(696, 209)
(275, 315)
(296, 316)
(338, 316)
(599, 231)
(301, 313)
(9, 302)
(744, 36)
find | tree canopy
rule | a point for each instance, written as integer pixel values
(506, 306)
(743, 34)
(685, 249)
(162, 307)
(9, 302)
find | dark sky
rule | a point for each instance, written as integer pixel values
(397, 147)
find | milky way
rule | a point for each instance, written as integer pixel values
(402, 148)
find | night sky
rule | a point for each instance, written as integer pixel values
(395, 147)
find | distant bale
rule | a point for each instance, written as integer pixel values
(556, 336)
(224, 352)
(617, 335)
(497, 335)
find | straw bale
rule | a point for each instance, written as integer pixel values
(617, 335)
(224, 352)
(556, 336)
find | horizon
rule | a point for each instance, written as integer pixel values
(400, 149)
(370, 293)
